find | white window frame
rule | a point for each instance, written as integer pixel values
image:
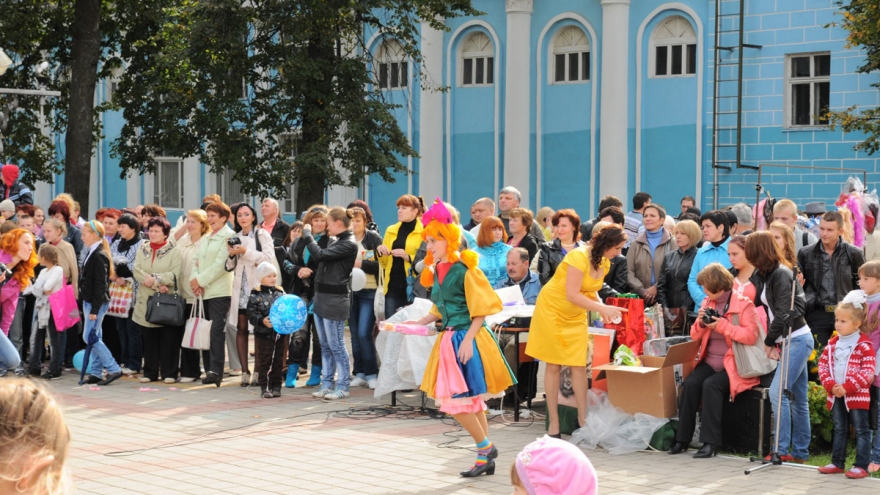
(684, 41)
(288, 205)
(567, 50)
(481, 57)
(391, 53)
(158, 176)
(220, 182)
(813, 80)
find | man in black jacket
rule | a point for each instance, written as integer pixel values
(606, 202)
(829, 270)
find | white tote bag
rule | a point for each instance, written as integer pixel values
(198, 330)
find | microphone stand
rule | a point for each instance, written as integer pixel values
(775, 459)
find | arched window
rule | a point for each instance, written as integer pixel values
(477, 60)
(674, 48)
(571, 55)
(393, 67)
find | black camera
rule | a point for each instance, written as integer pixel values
(234, 241)
(5, 271)
(708, 315)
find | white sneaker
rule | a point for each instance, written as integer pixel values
(371, 383)
(127, 371)
(144, 379)
(357, 382)
(170, 380)
(337, 394)
(187, 379)
(320, 394)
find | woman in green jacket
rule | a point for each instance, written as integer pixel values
(157, 268)
(210, 281)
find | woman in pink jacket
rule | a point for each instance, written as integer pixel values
(18, 255)
(715, 378)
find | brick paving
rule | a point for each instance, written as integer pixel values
(193, 439)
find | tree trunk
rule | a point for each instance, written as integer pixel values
(85, 52)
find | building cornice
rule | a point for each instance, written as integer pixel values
(520, 6)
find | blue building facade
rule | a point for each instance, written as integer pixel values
(570, 100)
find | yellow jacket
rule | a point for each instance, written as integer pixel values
(413, 242)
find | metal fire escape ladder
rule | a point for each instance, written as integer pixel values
(728, 87)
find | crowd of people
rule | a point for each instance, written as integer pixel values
(230, 263)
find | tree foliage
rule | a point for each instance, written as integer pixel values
(862, 19)
(306, 72)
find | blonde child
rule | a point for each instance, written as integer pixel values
(846, 370)
(553, 467)
(869, 281)
(50, 280)
(268, 345)
(33, 440)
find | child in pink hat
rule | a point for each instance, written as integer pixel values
(549, 466)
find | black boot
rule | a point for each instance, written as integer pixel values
(677, 448)
(488, 469)
(706, 452)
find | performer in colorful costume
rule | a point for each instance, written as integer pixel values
(466, 365)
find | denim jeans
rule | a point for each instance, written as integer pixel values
(875, 449)
(394, 300)
(360, 323)
(334, 358)
(100, 356)
(130, 342)
(858, 418)
(794, 422)
(9, 357)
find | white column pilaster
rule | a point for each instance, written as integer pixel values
(431, 114)
(613, 143)
(517, 81)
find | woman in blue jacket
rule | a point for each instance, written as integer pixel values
(716, 234)
(492, 247)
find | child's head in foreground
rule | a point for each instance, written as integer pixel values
(549, 466)
(33, 440)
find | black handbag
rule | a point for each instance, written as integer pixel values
(166, 310)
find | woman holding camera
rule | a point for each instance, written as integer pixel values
(18, 259)
(723, 318)
(249, 247)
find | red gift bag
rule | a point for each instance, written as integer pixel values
(631, 329)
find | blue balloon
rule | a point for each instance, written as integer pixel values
(288, 314)
(78, 359)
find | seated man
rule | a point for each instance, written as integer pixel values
(518, 273)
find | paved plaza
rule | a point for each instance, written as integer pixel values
(195, 439)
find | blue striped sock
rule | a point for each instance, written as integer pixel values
(483, 449)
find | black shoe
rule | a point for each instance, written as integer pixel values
(211, 377)
(706, 452)
(493, 454)
(276, 392)
(111, 378)
(92, 380)
(677, 448)
(557, 435)
(48, 375)
(488, 469)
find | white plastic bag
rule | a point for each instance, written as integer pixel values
(403, 357)
(612, 429)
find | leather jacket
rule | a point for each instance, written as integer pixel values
(672, 283)
(259, 303)
(550, 255)
(333, 276)
(777, 290)
(845, 262)
(303, 287)
(616, 280)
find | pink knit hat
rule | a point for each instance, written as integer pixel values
(549, 466)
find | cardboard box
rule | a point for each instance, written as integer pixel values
(652, 388)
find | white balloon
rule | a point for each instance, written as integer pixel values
(358, 279)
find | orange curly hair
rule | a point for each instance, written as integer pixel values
(451, 233)
(24, 270)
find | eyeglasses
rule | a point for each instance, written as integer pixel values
(318, 209)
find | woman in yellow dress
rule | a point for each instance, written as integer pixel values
(559, 331)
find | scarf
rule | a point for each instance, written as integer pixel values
(157, 247)
(126, 244)
(306, 253)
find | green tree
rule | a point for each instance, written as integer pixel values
(232, 82)
(862, 19)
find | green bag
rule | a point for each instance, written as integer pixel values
(663, 438)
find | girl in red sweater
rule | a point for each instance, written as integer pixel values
(846, 370)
